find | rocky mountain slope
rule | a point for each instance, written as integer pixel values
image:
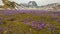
(30, 5)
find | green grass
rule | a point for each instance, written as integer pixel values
(18, 27)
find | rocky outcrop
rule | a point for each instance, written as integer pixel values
(53, 6)
(32, 4)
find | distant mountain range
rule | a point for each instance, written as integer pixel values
(53, 6)
(33, 5)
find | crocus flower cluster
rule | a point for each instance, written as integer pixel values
(38, 25)
(41, 25)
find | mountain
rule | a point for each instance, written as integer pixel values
(53, 6)
(10, 5)
(30, 5)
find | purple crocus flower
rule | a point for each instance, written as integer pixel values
(1, 18)
(0, 29)
(1, 22)
(28, 23)
(39, 28)
(41, 25)
(58, 20)
(34, 24)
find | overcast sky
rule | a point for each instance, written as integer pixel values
(39, 2)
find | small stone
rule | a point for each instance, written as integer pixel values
(11, 19)
(9, 32)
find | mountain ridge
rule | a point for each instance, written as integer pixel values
(31, 5)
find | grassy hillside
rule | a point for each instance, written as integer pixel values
(29, 22)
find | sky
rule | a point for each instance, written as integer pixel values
(39, 2)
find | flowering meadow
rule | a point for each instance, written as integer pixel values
(29, 22)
